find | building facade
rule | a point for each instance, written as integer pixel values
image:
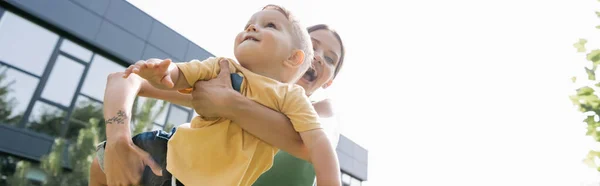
(54, 60)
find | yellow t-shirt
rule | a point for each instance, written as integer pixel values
(219, 152)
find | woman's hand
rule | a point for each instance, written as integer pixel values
(217, 98)
(212, 98)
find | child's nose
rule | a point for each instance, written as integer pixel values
(251, 28)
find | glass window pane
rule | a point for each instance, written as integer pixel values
(177, 116)
(63, 81)
(355, 182)
(95, 82)
(16, 90)
(159, 109)
(85, 109)
(25, 44)
(35, 174)
(194, 114)
(156, 127)
(46, 119)
(147, 114)
(168, 127)
(76, 50)
(345, 178)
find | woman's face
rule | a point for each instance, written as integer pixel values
(327, 56)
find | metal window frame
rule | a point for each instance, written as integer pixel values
(1, 12)
(71, 57)
(168, 115)
(42, 83)
(189, 112)
(90, 98)
(18, 69)
(77, 91)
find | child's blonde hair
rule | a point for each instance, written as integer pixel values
(300, 38)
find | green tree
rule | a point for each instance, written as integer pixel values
(83, 112)
(50, 121)
(144, 117)
(19, 178)
(7, 104)
(586, 98)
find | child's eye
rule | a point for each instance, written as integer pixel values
(271, 25)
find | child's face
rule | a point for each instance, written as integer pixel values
(265, 42)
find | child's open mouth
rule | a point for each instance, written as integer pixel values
(250, 38)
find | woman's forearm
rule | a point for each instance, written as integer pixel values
(270, 126)
(118, 101)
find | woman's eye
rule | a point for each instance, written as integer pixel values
(328, 59)
(271, 25)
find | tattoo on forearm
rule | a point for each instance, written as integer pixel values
(119, 119)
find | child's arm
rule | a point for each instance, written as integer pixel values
(149, 91)
(305, 120)
(162, 74)
(322, 156)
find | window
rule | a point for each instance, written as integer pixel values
(46, 119)
(95, 82)
(194, 114)
(177, 116)
(76, 50)
(345, 179)
(149, 114)
(157, 127)
(355, 182)
(85, 109)
(25, 45)
(35, 175)
(16, 90)
(161, 116)
(63, 81)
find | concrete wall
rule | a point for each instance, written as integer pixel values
(353, 158)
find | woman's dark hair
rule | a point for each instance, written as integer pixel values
(337, 36)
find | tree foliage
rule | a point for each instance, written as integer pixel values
(7, 104)
(586, 98)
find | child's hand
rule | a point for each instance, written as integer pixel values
(155, 71)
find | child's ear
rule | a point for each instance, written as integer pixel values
(327, 84)
(296, 59)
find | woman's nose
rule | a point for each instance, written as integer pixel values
(318, 59)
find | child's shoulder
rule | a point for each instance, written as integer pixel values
(212, 60)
